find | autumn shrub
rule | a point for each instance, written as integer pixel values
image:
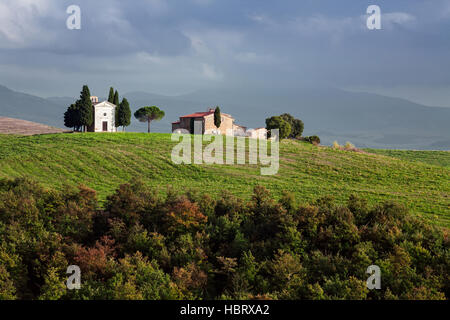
(349, 146)
(146, 244)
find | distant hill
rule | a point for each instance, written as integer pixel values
(28, 107)
(367, 120)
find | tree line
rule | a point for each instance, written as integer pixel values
(148, 243)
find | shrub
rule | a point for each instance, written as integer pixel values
(315, 140)
(150, 247)
(349, 146)
(296, 125)
(278, 123)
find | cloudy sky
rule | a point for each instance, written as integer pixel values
(173, 47)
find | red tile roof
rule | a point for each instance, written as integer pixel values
(198, 114)
(204, 114)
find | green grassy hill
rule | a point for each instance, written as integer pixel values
(439, 158)
(103, 161)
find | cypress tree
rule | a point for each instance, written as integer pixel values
(116, 98)
(124, 114)
(111, 95)
(86, 110)
(116, 102)
(217, 117)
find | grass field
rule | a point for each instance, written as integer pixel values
(103, 161)
(439, 158)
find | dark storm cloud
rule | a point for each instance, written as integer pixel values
(172, 46)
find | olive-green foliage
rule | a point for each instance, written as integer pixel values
(278, 123)
(160, 244)
(313, 139)
(297, 125)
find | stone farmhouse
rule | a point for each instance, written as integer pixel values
(227, 125)
(104, 116)
(258, 133)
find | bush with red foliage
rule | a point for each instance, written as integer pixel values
(147, 244)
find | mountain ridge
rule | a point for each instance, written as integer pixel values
(365, 119)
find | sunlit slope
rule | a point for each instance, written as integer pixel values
(439, 158)
(103, 161)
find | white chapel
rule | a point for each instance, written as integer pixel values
(104, 116)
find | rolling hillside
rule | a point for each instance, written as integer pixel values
(103, 161)
(367, 120)
(23, 127)
(439, 158)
